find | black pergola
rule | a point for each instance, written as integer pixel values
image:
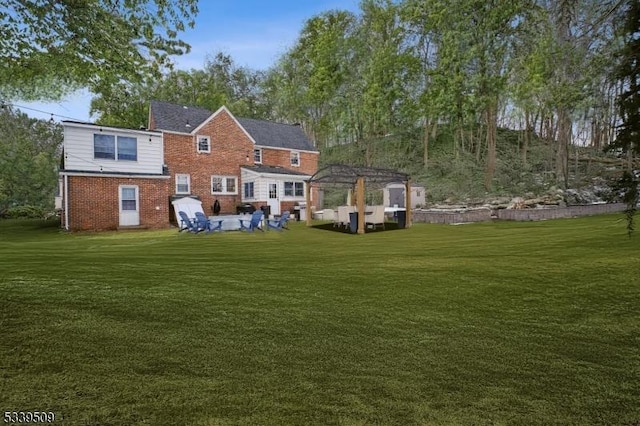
(344, 174)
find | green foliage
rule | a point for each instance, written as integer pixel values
(29, 155)
(48, 49)
(628, 135)
(221, 82)
(25, 212)
(518, 323)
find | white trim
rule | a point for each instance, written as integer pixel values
(225, 177)
(287, 149)
(113, 175)
(212, 116)
(188, 184)
(128, 213)
(297, 156)
(111, 129)
(203, 151)
(175, 132)
(255, 148)
(278, 176)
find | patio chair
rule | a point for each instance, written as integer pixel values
(374, 216)
(280, 223)
(343, 219)
(250, 225)
(188, 224)
(329, 214)
(208, 225)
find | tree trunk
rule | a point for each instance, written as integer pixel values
(525, 138)
(425, 141)
(562, 152)
(492, 124)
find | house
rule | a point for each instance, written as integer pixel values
(116, 178)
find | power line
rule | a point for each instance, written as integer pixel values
(4, 104)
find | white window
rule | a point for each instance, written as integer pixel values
(295, 158)
(129, 198)
(224, 185)
(183, 184)
(294, 189)
(257, 156)
(204, 143)
(105, 146)
(249, 190)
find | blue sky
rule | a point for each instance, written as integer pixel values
(254, 32)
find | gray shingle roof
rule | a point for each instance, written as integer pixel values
(173, 117)
(177, 118)
(277, 135)
(273, 170)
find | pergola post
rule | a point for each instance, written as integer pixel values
(308, 199)
(360, 203)
(407, 203)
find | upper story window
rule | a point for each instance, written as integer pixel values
(111, 147)
(295, 158)
(127, 148)
(183, 184)
(204, 143)
(224, 185)
(257, 156)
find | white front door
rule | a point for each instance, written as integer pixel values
(129, 206)
(273, 199)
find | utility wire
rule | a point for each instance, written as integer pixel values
(4, 104)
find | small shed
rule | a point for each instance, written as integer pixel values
(356, 177)
(394, 195)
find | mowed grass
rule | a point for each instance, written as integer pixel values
(494, 323)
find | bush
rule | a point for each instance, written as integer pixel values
(24, 212)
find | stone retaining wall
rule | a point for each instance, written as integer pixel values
(558, 212)
(461, 216)
(486, 214)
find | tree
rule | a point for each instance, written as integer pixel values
(306, 84)
(220, 82)
(628, 134)
(49, 48)
(29, 155)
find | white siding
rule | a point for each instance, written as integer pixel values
(79, 156)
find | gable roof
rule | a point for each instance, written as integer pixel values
(186, 119)
(177, 118)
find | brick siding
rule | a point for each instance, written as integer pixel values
(94, 202)
(231, 149)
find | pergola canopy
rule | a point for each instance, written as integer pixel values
(349, 175)
(344, 174)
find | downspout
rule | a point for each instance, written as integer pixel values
(66, 202)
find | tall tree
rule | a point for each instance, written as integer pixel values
(307, 83)
(48, 48)
(628, 135)
(29, 155)
(220, 82)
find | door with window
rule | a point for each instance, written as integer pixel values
(273, 199)
(129, 206)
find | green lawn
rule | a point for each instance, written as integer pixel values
(494, 323)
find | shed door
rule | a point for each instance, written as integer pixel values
(129, 206)
(396, 196)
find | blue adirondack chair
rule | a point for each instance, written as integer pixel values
(207, 224)
(250, 225)
(280, 223)
(188, 224)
